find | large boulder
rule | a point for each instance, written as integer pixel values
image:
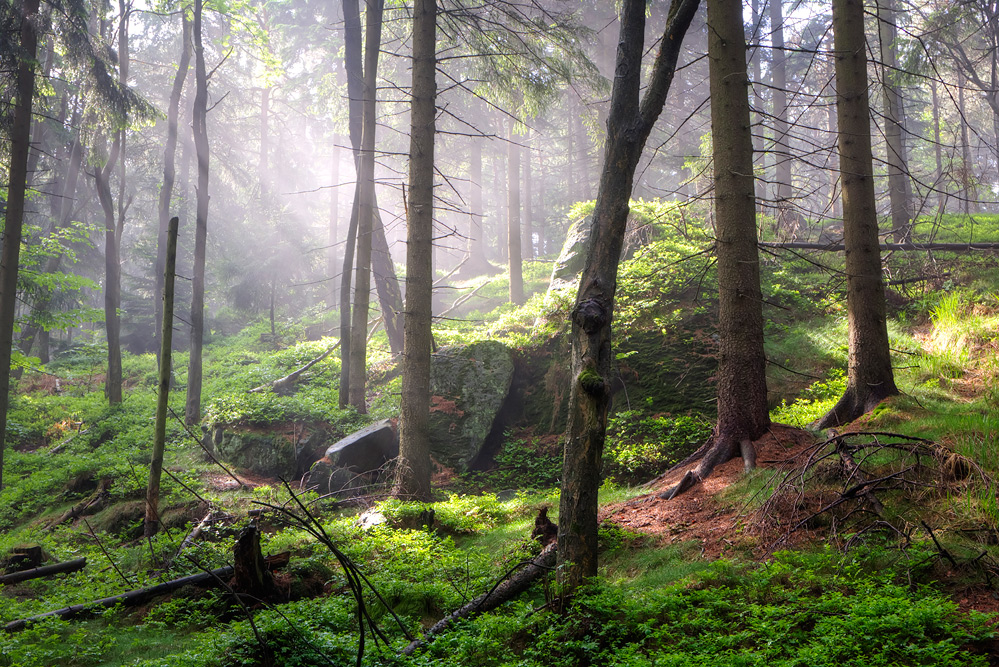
(572, 259)
(264, 453)
(283, 450)
(365, 450)
(468, 386)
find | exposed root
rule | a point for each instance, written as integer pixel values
(717, 451)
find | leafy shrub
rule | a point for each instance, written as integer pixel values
(640, 446)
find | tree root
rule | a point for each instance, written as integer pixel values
(722, 450)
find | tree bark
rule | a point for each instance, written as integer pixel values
(44, 571)
(17, 179)
(414, 466)
(152, 520)
(365, 209)
(786, 222)
(899, 185)
(628, 126)
(742, 388)
(514, 258)
(112, 273)
(169, 169)
(194, 368)
(869, 374)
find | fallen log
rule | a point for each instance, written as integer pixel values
(129, 599)
(509, 588)
(839, 247)
(90, 505)
(288, 381)
(43, 571)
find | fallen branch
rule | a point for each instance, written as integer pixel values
(288, 381)
(92, 504)
(506, 589)
(838, 246)
(129, 599)
(44, 571)
(464, 298)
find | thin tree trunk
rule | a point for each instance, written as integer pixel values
(366, 209)
(938, 152)
(967, 169)
(112, 273)
(514, 258)
(169, 171)
(20, 147)
(628, 126)
(528, 250)
(334, 221)
(899, 185)
(194, 367)
(355, 94)
(869, 374)
(152, 520)
(782, 154)
(414, 468)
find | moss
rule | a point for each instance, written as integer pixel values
(591, 381)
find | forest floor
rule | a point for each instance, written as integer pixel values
(698, 514)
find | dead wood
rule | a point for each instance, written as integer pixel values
(90, 505)
(44, 571)
(838, 246)
(193, 535)
(129, 599)
(510, 586)
(285, 384)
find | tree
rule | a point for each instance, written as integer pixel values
(742, 388)
(192, 413)
(782, 152)
(516, 260)
(413, 471)
(152, 519)
(365, 209)
(628, 126)
(899, 185)
(869, 373)
(169, 170)
(20, 147)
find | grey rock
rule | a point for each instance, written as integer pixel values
(468, 385)
(365, 450)
(270, 454)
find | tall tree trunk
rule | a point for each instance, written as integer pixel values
(786, 222)
(334, 221)
(152, 520)
(194, 367)
(17, 179)
(413, 472)
(514, 258)
(899, 185)
(169, 171)
(742, 387)
(366, 209)
(938, 180)
(628, 126)
(528, 250)
(968, 191)
(112, 272)
(355, 94)
(869, 374)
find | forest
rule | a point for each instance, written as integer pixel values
(499, 332)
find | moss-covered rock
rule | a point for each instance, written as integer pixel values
(264, 453)
(469, 384)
